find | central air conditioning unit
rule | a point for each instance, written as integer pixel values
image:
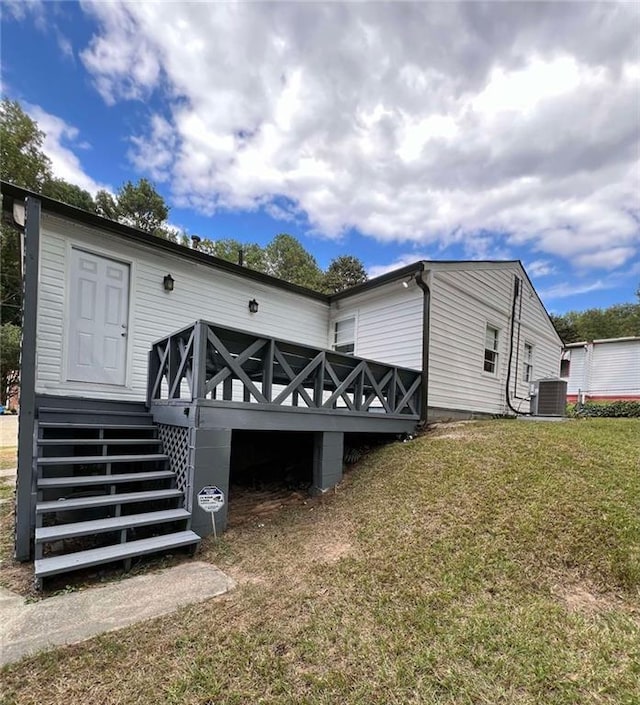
(548, 397)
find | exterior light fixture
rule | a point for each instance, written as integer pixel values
(167, 283)
(408, 281)
(253, 306)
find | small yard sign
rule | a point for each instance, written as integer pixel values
(211, 499)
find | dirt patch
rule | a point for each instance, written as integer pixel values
(257, 508)
(585, 599)
(456, 430)
(455, 436)
(14, 575)
(248, 506)
(330, 551)
(18, 577)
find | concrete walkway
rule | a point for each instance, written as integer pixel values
(74, 617)
(8, 430)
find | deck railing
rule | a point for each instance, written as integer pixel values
(208, 361)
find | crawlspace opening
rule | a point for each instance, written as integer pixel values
(269, 470)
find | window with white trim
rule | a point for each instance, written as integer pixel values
(491, 350)
(344, 335)
(527, 363)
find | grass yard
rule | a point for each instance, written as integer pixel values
(7, 489)
(492, 562)
(8, 457)
(7, 462)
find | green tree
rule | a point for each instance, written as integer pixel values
(63, 191)
(287, 259)
(343, 272)
(106, 205)
(565, 328)
(251, 254)
(618, 321)
(22, 161)
(9, 360)
(141, 206)
(10, 275)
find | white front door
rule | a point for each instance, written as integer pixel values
(99, 291)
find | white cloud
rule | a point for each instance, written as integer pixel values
(609, 259)
(154, 155)
(378, 270)
(540, 268)
(428, 123)
(65, 46)
(485, 247)
(21, 9)
(60, 139)
(565, 289)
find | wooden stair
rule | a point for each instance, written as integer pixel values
(105, 492)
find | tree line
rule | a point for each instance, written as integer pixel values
(618, 321)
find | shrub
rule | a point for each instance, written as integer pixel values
(618, 409)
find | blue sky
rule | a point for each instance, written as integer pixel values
(394, 132)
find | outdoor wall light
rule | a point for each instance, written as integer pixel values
(167, 282)
(253, 306)
(408, 281)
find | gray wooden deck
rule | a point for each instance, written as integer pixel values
(217, 377)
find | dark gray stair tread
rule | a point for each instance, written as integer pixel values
(98, 426)
(95, 556)
(99, 526)
(105, 500)
(93, 412)
(102, 459)
(104, 479)
(98, 441)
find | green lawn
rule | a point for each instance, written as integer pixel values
(494, 562)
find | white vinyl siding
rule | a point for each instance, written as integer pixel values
(605, 369)
(576, 381)
(615, 368)
(200, 292)
(389, 324)
(465, 298)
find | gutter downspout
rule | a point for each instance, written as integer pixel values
(426, 322)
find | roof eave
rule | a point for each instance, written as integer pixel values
(64, 210)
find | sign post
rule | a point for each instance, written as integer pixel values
(211, 499)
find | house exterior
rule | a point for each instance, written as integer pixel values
(469, 330)
(602, 370)
(123, 330)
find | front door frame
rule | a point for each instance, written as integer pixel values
(105, 254)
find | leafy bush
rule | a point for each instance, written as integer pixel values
(618, 409)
